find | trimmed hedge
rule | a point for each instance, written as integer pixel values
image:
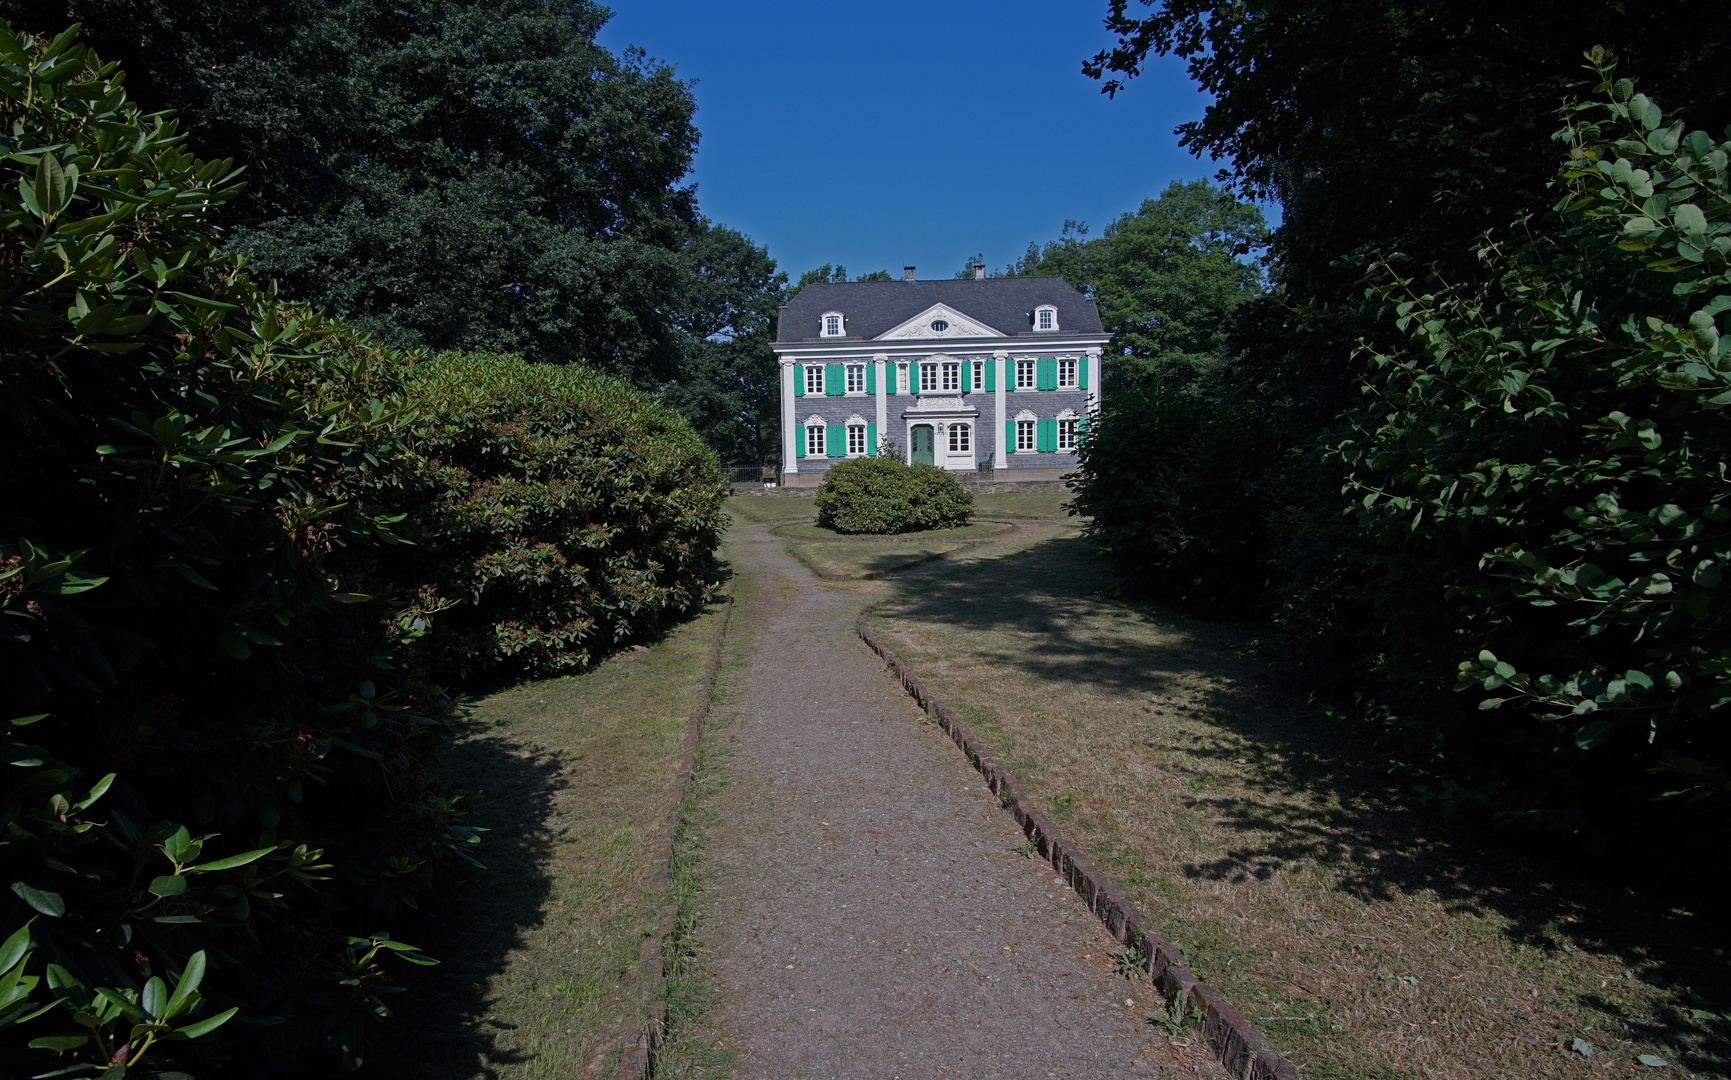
(565, 512)
(882, 495)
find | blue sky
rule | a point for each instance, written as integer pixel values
(882, 134)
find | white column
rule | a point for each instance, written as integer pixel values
(1093, 380)
(1002, 457)
(789, 459)
(886, 371)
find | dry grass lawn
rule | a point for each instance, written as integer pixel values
(1368, 939)
(539, 952)
(840, 555)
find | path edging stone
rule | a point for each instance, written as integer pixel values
(1237, 1043)
(645, 1039)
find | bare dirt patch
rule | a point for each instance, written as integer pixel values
(1366, 938)
(539, 953)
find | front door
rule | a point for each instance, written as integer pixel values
(922, 439)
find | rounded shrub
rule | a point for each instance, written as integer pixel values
(882, 495)
(563, 512)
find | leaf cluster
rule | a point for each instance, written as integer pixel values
(193, 604)
(563, 513)
(1538, 487)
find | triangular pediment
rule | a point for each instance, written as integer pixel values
(955, 325)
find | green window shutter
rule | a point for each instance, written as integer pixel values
(991, 374)
(1047, 379)
(967, 376)
(1009, 436)
(834, 380)
(1046, 435)
(835, 441)
(871, 376)
(871, 440)
(914, 377)
(799, 442)
(1082, 372)
(798, 381)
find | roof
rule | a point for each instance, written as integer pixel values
(875, 307)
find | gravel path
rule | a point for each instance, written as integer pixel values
(866, 914)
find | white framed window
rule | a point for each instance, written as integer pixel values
(961, 438)
(928, 377)
(902, 377)
(856, 378)
(1067, 371)
(1045, 317)
(952, 376)
(978, 367)
(1025, 434)
(856, 440)
(1066, 434)
(814, 379)
(1025, 375)
(833, 324)
(814, 440)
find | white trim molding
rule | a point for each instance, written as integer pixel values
(789, 455)
(885, 372)
(940, 322)
(1001, 455)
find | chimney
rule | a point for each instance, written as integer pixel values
(979, 271)
(907, 273)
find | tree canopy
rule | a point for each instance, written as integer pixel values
(1169, 278)
(445, 173)
(1409, 127)
(727, 386)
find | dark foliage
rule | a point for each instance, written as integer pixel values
(444, 173)
(1538, 495)
(882, 495)
(1410, 146)
(1174, 480)
(219, 728)
(728, 385)
(1410, 126)
(564, 513)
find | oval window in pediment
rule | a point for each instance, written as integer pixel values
(939, 326)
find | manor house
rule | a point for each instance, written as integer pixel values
(993, 374)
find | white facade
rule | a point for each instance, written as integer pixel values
(943, 386)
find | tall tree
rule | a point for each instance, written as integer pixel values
(1385, 126)
(727, 386)
(1169, 278)
(447, 173)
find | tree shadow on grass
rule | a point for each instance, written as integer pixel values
(475, 919)
(549, 794)
(1360, 824)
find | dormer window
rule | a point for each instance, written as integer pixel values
(1045, 317)
(832, 324)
